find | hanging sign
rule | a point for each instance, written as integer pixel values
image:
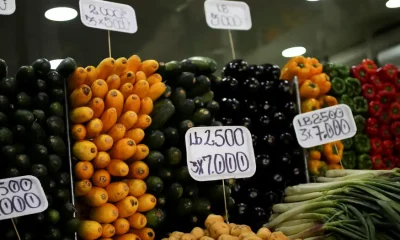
(215, 153)
(20, 196)
(231, 15)
(108, 16)
(7, 7)
(324, 125)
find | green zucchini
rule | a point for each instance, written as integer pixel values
(203, 65)
(173, 155)
(155, 160)
(171, 136)
(173, 66)
(162, 112)
(154, 139)
(186, 108)
(186, 80)
(208, 96)
(184, 126)
(202, 116)
(201, 86)
(178, 95)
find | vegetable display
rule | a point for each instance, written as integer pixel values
(33, 142)
(345, 204)
(110, 107)
(254, 97)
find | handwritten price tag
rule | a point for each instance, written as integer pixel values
(20, 196)
(7, 7)
(231, 15)
(108, 16)
(324, 126)
(215, 153)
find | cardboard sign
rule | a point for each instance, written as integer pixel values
(108, 16)
(7, 7)
(20, 196)
(324, 125)
(215, 153)
(231, 15)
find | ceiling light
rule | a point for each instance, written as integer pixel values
(293, 52)
(54, 63)
(312, 0)
(393, 4)
(61, 14)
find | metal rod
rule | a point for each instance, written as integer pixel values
(226, 208)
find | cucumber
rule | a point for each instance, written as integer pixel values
(167, 92)
(198, 101)
(24, 117)
(171, 136)
(165, 173)
(154, 184)
(186, 108)
(203, 65)
(184, 126)
(3, 119)
(184, 207)
(173, 155)
(186, 80)
(191, 190)
(217, 193)
(208, 96)
(4, 103)
(24, 101)
(161, 68)
(173, 66)
(202, 116)
(155, 160)
(216, 82)
(201, 86)
(155, 139)
(213, 107)
(57, 146)
(41, 66)
(201, 206)
(25, 76)
(178, 96)
(162, 112)
(155, 217)
(66, 67)
(41, 101)
(175, 191)
(6, 136)
(182, 174)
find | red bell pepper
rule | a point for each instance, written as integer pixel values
(388, 147)
(388, 88)
(384, 99)
(397, 158)
(384, 132)
(387, 73)
(359, 73)
(372, 127)
(397, 144)
(369, 66)
(375, 108)
(394, 111)
(397, 97)
(389, 162)
(395, 128)
(397, 82)
(374, 80)
(369, 91)
(384, 118)
(377, 162)
(376, 145)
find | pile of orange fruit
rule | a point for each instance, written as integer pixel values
(109, 109)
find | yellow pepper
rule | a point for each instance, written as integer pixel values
(315, 66)
(309, 90)
(296, 66)
(316, 167)
(333, 152)
(327, 101)
(323, 82)
(314, 154)
(309, 105)
(334, 166)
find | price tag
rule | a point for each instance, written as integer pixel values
(20, 196)
(324, 126)
(7, 7)
(108, 16)
(231, 15)
(215, 153)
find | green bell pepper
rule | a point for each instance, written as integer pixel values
(364, 161)
(360, 105)
(347, 143)
(353, 86)
(346, 99)
(331, 69)
(349, 159)
(360, 123)
(343, 71)
(361, 143)
(338, 86)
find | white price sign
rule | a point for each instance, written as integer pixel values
(108, 16)
(7, 7)
(231, 15)
(324, 125)
(20, 196)
(215, 153)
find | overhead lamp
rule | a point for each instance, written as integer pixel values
(293, 52)
(54, 63)
(312, 0)
(393, 4)
(61, 14)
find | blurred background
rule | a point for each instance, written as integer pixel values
(343, 31)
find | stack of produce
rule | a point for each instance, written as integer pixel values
(348, 90)
(346, 204)
(109, 109)
(187, 102)
(380, 87)
(33, 142)
(254, 97)
(216, 228)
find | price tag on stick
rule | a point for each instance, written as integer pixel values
(231, 15)
(7, 7)
(108, 16)
(324, 125)
(215, 153)
(20, 196)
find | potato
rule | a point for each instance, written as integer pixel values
(176, 234)
(206, 233)
(211, 219)
(218, 229)
(188, 236)
(254, 237)
(236, 230)
(244, 235)
(227, 237)
(197, 232)
(264, 233)
(173, 238)
(277, 236)
(206, 238)
(245, 228)
(164, 238)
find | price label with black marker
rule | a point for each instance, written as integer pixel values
(108, 16)
(7, 7)
(20, 196)
(324, 125)
(231, 15)
(215, 153)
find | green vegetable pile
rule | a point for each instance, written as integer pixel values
(346, 204)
